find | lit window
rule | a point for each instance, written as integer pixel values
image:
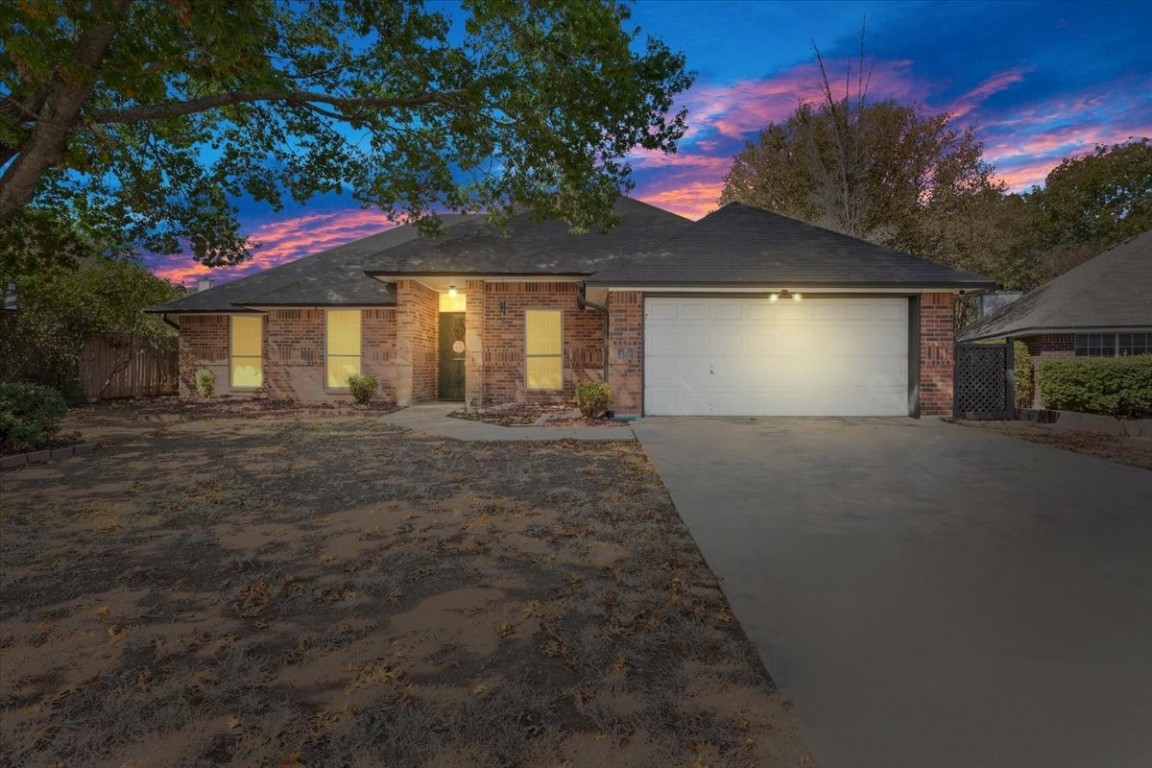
(247, 362)
(343, 345)
(543, 341)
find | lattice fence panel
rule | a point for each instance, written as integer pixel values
(982, 381)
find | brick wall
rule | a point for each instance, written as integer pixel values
(417, 336)
(626, 351)
(503, 362)
(294, 355)
(204, 341)
(293, 347)
(378, 334)
(937, 353)
(1051, 346)
(474, 308)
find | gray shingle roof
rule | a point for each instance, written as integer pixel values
(742, 245)
(1113, 291)
(531, 248)
(470, 246)
(313, 280)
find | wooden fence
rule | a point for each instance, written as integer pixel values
(125, 366)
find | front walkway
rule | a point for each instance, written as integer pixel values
(433, 418)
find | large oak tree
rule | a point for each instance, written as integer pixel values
(144, 122)
(889, 173)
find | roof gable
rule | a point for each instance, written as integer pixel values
(743, 245)
(470, 246)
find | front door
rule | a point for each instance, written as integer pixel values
(452, 356)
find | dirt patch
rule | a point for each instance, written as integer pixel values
(335, 591)
(533, 415)
(1134, 451)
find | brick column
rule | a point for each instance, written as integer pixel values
(417, 336)
(626, 351)
(937, 353)
(474, 342)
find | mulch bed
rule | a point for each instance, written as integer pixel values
(175, 408)
(533, 415)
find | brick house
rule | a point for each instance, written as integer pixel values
(744, 312)
(1102, 308)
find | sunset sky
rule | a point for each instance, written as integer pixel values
(1039, 81)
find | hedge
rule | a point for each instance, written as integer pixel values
(30, 417)
(1112, 386)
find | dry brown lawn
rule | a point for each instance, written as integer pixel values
(306, 590)
(1134, 451)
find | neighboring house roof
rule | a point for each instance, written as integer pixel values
(742, 245)
(470, 246)
(1112, 291)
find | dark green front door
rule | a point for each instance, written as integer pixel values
(452, 356)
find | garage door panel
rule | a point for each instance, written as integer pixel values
(729, 356)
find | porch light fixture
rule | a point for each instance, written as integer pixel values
(452, 291)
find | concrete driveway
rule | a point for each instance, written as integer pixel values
(928, 594)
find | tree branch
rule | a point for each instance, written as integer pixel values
(346, 105)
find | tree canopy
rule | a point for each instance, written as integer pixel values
(62, 306)
(1092, 202)
(885, 172)
(144, 122)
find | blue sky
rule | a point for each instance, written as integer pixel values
(1039, 81)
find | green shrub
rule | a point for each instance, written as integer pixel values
(1113, 386)
(30, 416)
(363, 388)
(205, 382)
(594, 398)
(1025, 375)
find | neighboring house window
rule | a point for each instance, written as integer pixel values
(343, 346)
(1134, 344)
(247, 351)
(543, 345)
(1113, 344)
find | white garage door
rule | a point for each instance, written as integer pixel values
(750, 357)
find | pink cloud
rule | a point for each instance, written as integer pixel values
(737, 111)
(281, 241)
(971, 100)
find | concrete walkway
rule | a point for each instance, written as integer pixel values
(929, 595)
(433, 418)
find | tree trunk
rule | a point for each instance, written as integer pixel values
(48, 141)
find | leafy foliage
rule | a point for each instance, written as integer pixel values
(1090, 203)
(890, 174)
(1025, 375)
(61, 308)
(30, 416)
(1113, 386)
(363, 388)
(145, 122)
(594, 398)
(205, 382)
